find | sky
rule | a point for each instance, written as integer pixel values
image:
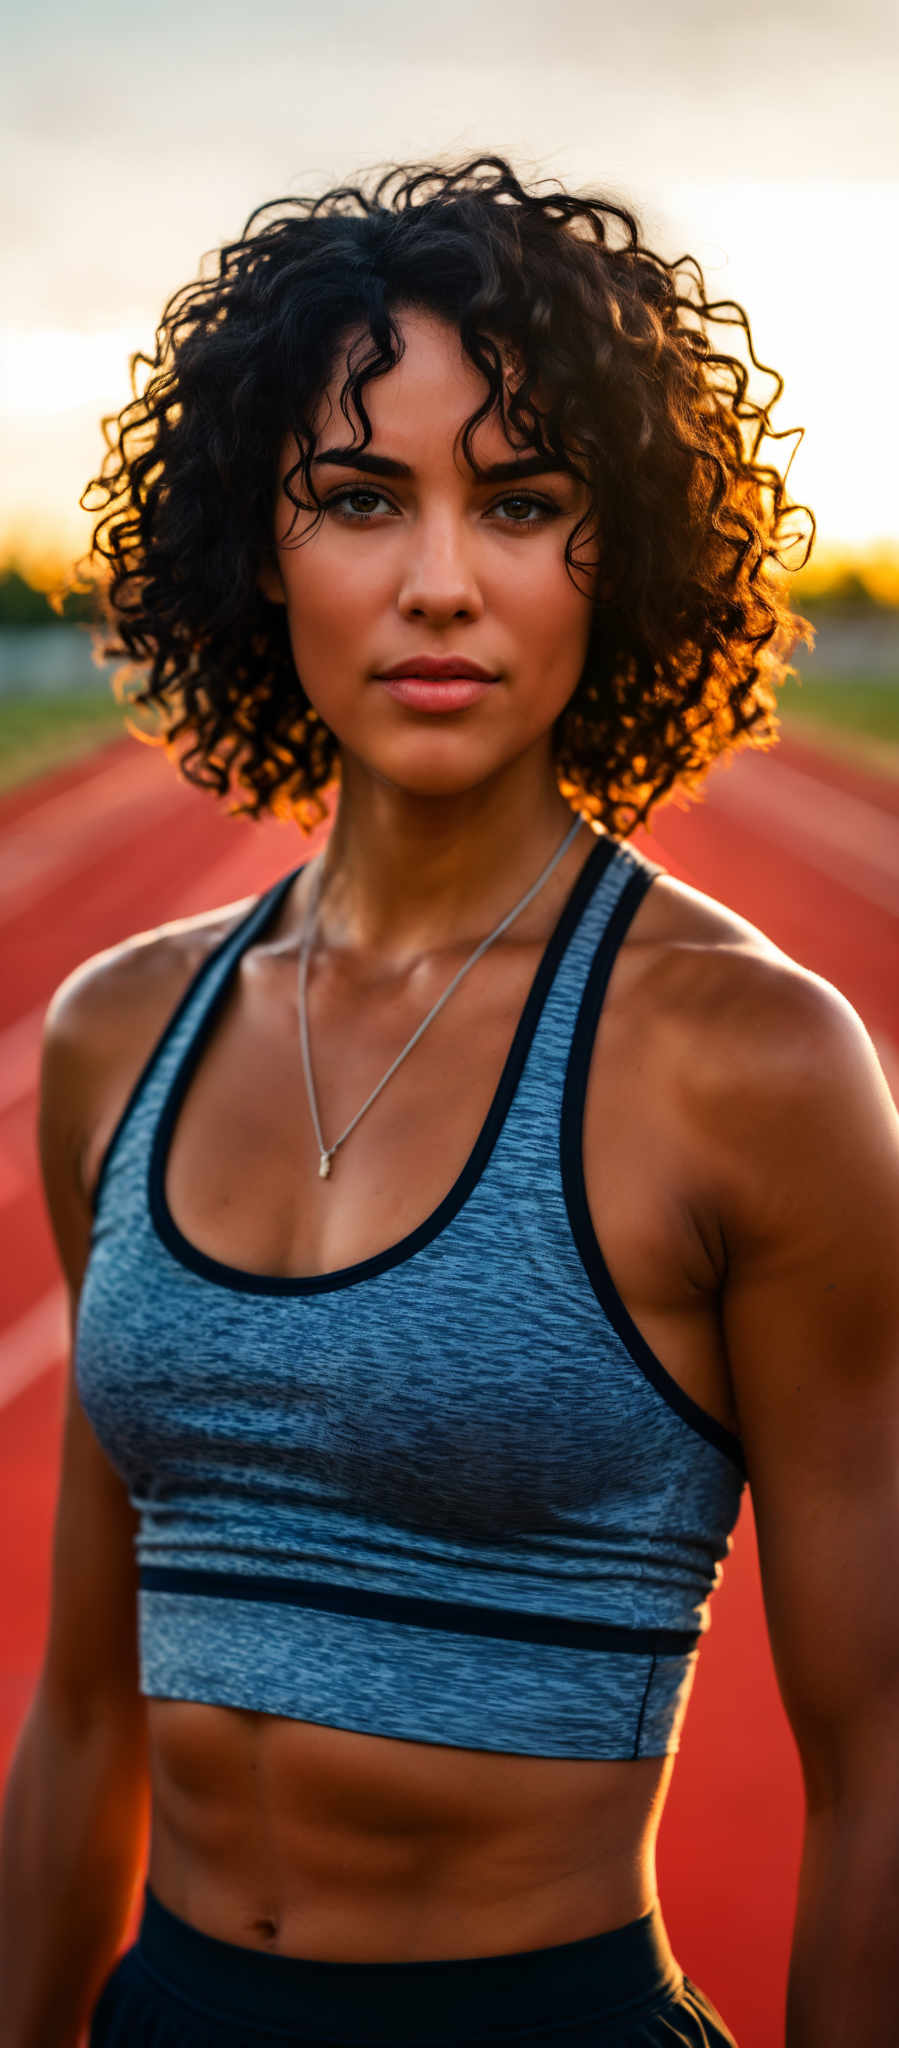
(765, 143)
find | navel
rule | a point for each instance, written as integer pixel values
(266, 1929)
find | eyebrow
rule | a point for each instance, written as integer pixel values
(387, 465)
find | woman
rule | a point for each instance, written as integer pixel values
(441, 491)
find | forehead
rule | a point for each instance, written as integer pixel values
(422, 402)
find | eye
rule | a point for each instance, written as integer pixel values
(357, 504)
(527, 509)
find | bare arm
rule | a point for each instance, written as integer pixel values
(810, 1157)
(75, 1811)
(77, 1804)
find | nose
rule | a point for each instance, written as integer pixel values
(439, 581)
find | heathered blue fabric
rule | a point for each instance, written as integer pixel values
(471, 1420)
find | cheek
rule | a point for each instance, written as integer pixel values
(330, 611)
(551, 615)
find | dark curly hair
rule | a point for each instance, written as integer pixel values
(692, 626)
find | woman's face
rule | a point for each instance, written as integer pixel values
(418, 560)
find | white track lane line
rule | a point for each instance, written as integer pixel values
(31, 1346)
(57, 819)
(852, 822)
(20, 1043)
(845, 838)
(76, 825)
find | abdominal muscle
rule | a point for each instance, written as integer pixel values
(323, 1843)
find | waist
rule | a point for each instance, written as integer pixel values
(312, 1841)
(417, 1670)
(628, 1970)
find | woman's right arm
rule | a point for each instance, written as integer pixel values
(76, 1805)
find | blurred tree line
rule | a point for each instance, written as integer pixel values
(23, 604)
(848, 593)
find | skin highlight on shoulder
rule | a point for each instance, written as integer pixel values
(766, 1063)
(124, 980)
(101, 1026)
(736, 1042)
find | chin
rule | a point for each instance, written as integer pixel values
(445, 765)
(441, 777)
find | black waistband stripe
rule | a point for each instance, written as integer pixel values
(456, 1617)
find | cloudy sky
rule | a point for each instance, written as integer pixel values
(765, 142)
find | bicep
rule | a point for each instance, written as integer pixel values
(811, 1320)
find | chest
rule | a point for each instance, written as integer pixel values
(242, 1166)
(240, 1172)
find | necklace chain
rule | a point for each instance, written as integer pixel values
(326, 1152)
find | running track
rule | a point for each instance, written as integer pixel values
(799, 842)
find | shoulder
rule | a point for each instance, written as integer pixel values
(101, 1027)
(129, 990)
(139, 974)
(711, 983)
(768, 1066)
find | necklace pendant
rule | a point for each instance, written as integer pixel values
(324, 1166)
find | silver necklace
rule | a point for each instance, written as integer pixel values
(326, 1152)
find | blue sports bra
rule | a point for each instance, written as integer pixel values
(448, 1494)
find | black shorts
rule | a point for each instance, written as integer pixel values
(178, 1988)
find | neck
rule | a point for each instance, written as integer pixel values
(403, 874)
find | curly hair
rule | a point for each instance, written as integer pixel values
(692, 628)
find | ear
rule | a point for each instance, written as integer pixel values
(269, 582)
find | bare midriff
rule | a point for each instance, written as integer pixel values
(320, 1842)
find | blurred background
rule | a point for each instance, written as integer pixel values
(765, 146)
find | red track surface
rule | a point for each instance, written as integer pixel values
(798, 842)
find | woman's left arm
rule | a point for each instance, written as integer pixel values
(811, 1319)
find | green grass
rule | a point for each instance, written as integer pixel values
(38, 733)
(839, 705)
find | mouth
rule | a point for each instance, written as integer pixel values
(421, 693)
(432, 668)
(427, 682)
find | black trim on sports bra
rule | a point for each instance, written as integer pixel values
(457, 1617)
(242, 1282)
(574, 1185)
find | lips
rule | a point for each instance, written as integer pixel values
(431, 668)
